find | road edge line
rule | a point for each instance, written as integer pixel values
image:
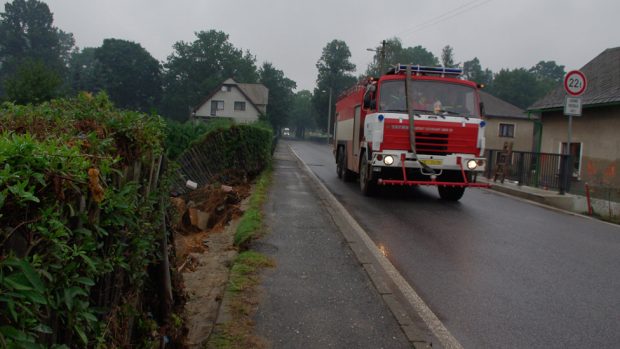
(415, 301)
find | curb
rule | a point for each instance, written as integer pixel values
(419, 324)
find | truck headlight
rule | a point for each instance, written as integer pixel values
(472, 164)
(388, 160)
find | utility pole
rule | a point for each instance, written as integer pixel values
(381, 52)
(382, 57)
(329, 115)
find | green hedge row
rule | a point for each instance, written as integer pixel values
(235, 150)
(80, 221)
(180, 136)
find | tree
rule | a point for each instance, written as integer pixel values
(303, 114)
(472, 70)
(548, 70)
(395, 53)
(447, 56)
(32, 83)
(280, 95)
(549, 74)
(194, 69)
(334, 76)
(27, 34)
(518, 86)
(131, 76)
(85, 71)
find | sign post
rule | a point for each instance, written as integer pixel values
(575, 84)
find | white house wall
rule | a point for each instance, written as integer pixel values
(230, 97)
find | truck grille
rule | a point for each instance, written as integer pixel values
(431, 143)
(451, 139)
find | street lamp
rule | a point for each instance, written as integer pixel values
(381, 52)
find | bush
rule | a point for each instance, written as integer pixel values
(80, 220)
(179, 136)
(243, 150)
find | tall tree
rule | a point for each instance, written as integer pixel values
(335, 75)
(549, 74)
(518, 86)
(85, 71)
(447, 56)
(132, 77)
(472, 70)
(395, 53)
(32, 83)
(548, 70)
(27, 35)
(280, 95)
(303, 114)
(194, 69)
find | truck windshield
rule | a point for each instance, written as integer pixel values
(429, 97)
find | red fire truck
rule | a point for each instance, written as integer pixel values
(412, 126)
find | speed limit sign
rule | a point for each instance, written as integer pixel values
(575, 83)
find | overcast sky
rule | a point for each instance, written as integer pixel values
(292, 33)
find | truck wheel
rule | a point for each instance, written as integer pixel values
(340, 164)
(451, 193)
(367, 184)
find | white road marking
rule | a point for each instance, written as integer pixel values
(426, 314)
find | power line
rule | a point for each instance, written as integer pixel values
(445, 16)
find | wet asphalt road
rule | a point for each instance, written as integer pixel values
(497, 271)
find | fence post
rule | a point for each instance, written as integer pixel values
(490, 163)
(563, 173)
(520, 166)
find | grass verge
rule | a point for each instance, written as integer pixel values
(242, 294)
(252, 220)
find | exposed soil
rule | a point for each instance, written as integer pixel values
(204, 247)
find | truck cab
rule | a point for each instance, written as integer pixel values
(413, 126)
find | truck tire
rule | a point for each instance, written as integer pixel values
(367, 183)
(341, 167)
(451, 193)
(340, 163)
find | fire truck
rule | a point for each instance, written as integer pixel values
(412, 126)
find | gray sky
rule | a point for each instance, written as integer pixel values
(291, 33)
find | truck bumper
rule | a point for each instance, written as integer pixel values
(448, 170)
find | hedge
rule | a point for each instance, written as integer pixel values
(81, 196)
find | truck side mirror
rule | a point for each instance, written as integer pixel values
(369, 102)
(482, 112)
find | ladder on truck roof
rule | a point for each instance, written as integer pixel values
(423, 70)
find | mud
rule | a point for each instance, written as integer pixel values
(205, 251)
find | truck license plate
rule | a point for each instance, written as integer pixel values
(430, 162)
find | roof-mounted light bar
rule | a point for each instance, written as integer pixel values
(428, 70)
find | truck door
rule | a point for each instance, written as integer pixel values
(356, 132)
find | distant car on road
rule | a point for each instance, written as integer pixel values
(286, 132)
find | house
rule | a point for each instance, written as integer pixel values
(595, 144)
(243, 103)
(506, 123)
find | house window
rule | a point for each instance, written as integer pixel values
(215, 106)
(226, 88)
(575, 152)
(240, 106)
(507, 130)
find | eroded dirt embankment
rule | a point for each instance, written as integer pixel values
(204, 247)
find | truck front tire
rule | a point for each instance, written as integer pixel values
(367, 184)
(451, 193)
